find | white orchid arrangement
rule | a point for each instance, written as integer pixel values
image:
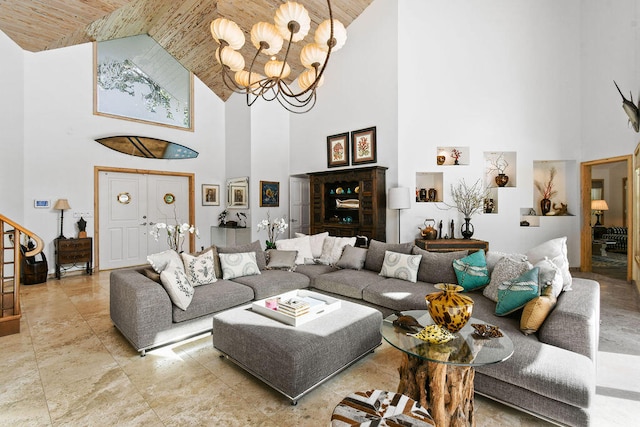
(274, 229)
(175, 233)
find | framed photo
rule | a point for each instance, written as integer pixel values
(363, 146)
(238, 193)
(269, 194)
(338, 150)
(210, 195)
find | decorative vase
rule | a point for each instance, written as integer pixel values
(467, 229)
(502, 180)
(433, 194)
(448, 308)
(545, 206)
(440, 160)
(456, 162)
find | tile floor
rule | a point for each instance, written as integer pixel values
(70, 366)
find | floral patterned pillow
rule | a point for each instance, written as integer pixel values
(175, 282)
(199, 269)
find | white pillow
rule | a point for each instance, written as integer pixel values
(556, 251)
(160, 260)
(199, 269)
(300, 244)
(333, 247)
(316, 240)
(175, 282)
(238, 265)
(550, 274)
(400, 266)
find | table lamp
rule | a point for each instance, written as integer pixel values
(399, 199)
(62, 204)
(597, 206)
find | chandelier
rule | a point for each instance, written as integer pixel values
(292, 23)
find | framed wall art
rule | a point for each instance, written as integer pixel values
(210, 195)
(238, 193)
(363, 146)
(338, 150)
(269, 194)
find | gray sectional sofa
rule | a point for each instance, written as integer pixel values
(551, 373)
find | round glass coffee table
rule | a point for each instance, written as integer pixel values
(440, 376)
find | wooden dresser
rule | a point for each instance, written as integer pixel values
(74, 251)
(451, 245)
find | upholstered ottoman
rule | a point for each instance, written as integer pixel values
(295, 359)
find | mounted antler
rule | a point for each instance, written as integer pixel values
(631, 109)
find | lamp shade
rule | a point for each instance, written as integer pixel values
(399, 198)
(62, 204)
(599, 205)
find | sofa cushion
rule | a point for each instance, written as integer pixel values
(281, 260)
(238, 265)
(506, 269)
(216, 260)
(249, 247)
(317, 241)
(160, 260)
(471, 271)
(556, 251)
(352, 258)
(398, 295)
(150, 273)
(302, 245)
(175, 282)
(314, 270)
(199, 269)
(333, 247)
(348, 283)
(535, 313)
(400, 266)
(516, 293)
(550, 275)
(273, 282)
(437, 267)
(493, 257)
(375, 253)
(212, 298)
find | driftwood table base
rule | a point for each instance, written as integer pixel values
(445, 390)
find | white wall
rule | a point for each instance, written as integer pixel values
(12, 150)
(60, 151)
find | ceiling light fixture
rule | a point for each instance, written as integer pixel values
(292, 23)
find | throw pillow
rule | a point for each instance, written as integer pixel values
(316, 240)
(216, 259)
(302, 245)
(150, 273)
(333, 247)
(536, 311)
(238, 265)
(556, 251)
(255, 247)
(437, 267)
(400, 266)
(493, 257)
(471, 271)
(516, 293)
(377, 250)
(550, 275)
(352, 258)
(175, 282)
(281, 260)
(160, 260)
(506, 269)
(199, 268)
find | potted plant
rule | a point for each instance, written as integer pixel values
(499, 164)
(469, 200)
(547, 191)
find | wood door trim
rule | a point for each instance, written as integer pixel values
(96, 204)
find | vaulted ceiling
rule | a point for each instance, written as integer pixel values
(180, 27)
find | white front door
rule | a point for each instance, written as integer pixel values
(299, 206)
(130, 204)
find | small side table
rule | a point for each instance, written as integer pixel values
(451, 245)
(73, 251)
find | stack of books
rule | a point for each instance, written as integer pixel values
(294, 307)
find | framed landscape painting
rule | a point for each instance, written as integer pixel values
(269, 194)
(363, 146)
(338, 150)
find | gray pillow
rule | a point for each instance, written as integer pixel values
(281, 260)
(437, 267)
(506, 269)
(352, 258)
(249, 247)
(375, 254)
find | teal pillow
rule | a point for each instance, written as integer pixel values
(516, 293)
(471, 271)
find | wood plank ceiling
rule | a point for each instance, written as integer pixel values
(180, 27)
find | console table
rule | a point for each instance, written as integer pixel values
(73, 251)
(451, 245)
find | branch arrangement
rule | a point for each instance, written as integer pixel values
(469, 200)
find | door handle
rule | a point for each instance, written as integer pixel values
(294, 220)
(144, 223)
(150, 223)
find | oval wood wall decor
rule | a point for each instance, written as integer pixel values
(150, 148)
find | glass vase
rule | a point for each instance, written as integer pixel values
(448, 308)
